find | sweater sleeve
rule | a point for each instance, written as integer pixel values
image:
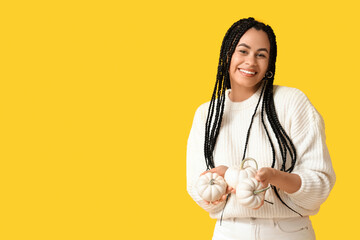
(313, 160)
(195, 160)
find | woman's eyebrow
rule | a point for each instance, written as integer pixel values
(247, 46)
(263, 49)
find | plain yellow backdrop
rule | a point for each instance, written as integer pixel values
(98, 97)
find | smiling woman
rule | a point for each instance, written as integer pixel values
(278, 127)
(249, 64)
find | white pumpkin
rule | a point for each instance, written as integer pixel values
(235, 174)
(211, 186)
(249, 193)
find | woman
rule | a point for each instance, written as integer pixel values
(278, 126)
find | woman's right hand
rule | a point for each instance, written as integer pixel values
(220, 170)
(229, 190)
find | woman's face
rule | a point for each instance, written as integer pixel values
(250, 60)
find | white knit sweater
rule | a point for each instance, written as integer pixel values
(302, 123)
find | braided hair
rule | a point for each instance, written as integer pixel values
(217, 103)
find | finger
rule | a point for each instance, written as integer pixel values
(259, 177)
(231, 190)
(212, 170)
(204, 173)
(262, 203)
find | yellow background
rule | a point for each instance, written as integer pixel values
(97, 100)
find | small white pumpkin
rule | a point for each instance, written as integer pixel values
(235, 174)
(211, 186)
(249, 193)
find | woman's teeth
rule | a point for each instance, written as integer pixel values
(247, 72)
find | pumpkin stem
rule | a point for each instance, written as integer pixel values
(248, 159)
(212, 181)
(261, 190)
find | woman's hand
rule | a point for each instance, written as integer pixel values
(223, 197)
(288, 182)
(262, 203)
(265, 176)
(220, 170)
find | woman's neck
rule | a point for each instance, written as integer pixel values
(239, 94)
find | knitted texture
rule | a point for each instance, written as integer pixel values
(305, 127)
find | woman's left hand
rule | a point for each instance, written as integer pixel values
(265, 175)
(288, 182)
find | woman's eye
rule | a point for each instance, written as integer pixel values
(242, 51)
(261, 55)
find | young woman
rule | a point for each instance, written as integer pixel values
(248, 116)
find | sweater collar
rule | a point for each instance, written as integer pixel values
(252, 100)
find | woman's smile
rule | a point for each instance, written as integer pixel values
(247, 73)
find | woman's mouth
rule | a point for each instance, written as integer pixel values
(247, 73)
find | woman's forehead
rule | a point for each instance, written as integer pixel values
(255, 38)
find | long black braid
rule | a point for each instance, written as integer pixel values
(217, 103)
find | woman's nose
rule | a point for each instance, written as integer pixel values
(251, 60)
